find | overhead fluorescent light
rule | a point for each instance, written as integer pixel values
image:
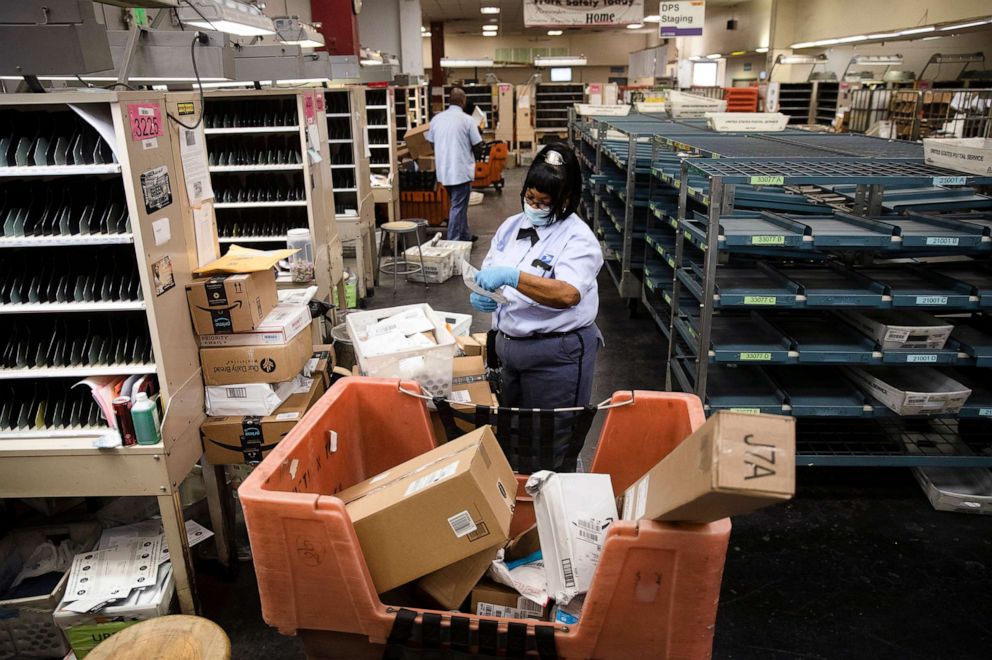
(554, 33)
(490, 34)
(848, 40)
(230, 16)
(877, 60)
(738, 52)
(490, 28)
(634, 26)
(800, 59)
(919, 30)
(369, 62)
(962, 26)
(561, 60)
(714, 56)
(291, 30)
(763, 49)
(653, 18)
(931, 38)
(884, 35)
(489, 10)
(425, 34)
(458, 63)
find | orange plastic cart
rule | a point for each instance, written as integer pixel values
(489, 170)
(654, 594)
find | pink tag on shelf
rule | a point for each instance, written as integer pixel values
(308, 108)
(320, 101)
(145, 120)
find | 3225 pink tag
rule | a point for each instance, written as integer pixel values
(145, 120)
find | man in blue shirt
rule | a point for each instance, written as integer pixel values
(456, 140)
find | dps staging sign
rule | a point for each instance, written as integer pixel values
(682, 19)
(579, 13)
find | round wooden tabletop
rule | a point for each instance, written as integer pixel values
(178, 637)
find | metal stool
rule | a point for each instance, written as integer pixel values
(399, 265)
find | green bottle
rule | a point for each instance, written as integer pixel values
(144, 414)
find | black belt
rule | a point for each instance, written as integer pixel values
(541, 335)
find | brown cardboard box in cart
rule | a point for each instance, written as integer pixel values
(451, 585)
(416, 141)
(434, 510)
(734, 463)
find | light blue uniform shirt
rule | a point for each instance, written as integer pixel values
(453, 134)
(575, 256)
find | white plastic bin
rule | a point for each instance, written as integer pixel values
(461, 324)
(431, 367)
(463, 250)
(438, 262)
(971, 155)
(966, 490)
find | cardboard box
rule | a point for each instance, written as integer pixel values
(233, 440)
(492, 599)
(426, 163)
(970, 155)
(434, 510)
(573, 513)
(451, 585)
(416, 141)
(732, 464)
(230, 365)
(901, 329)
(917, 391)
(459, 325)
(280, 325)
(225, 304)
(439, 263)
(259, 399)
(469, 346)
(468, 369)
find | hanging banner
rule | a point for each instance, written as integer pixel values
(682, 19)
(579, 13)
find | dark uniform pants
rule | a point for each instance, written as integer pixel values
(548, 372)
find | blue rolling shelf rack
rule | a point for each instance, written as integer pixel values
(754, 246)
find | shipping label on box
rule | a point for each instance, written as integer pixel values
(249, 439)
(492, 599)
(283, 323)
(230, 365)
(434, 510)
(225, 304)
(734, 463)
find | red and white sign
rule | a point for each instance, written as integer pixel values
(309, 108)
(579, 13)
(145, 120)
(320, 101)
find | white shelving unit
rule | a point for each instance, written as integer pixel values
(46, 451)
(380, 119)
(349, 170)
(272, 126)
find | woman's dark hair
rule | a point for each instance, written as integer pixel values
(555, 172)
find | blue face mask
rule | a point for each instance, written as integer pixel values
(537, 217)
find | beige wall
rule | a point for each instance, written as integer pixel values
(600, 48)
(753, 31)
(809, 20)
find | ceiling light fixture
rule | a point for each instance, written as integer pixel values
(489, 10)
(490, 34)
(231, 16)
(962, 26)
(763, 49)
(919, 30)
(634, 26)
(931, 38)
(425, 34)
(464, 63)
(561, 60)
(653, 18)
(714, 56)
(883, 35)
(554, 33)
(292, 31)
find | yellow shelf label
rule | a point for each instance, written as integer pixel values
(768, 240)
(756, 357)
(767, 180)
(746, 411)
(759, 300)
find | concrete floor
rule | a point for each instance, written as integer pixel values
(858, 565)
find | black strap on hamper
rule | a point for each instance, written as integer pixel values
(430, 640)
(532, 439)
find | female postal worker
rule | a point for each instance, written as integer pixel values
(545, 260)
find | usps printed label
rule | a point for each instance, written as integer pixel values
(460, 396)
(462, 524)
(282, 417)
(432, 478)
(236, 392)
(525, 609)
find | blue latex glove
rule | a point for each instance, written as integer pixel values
(482, 303)
(494, 277)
